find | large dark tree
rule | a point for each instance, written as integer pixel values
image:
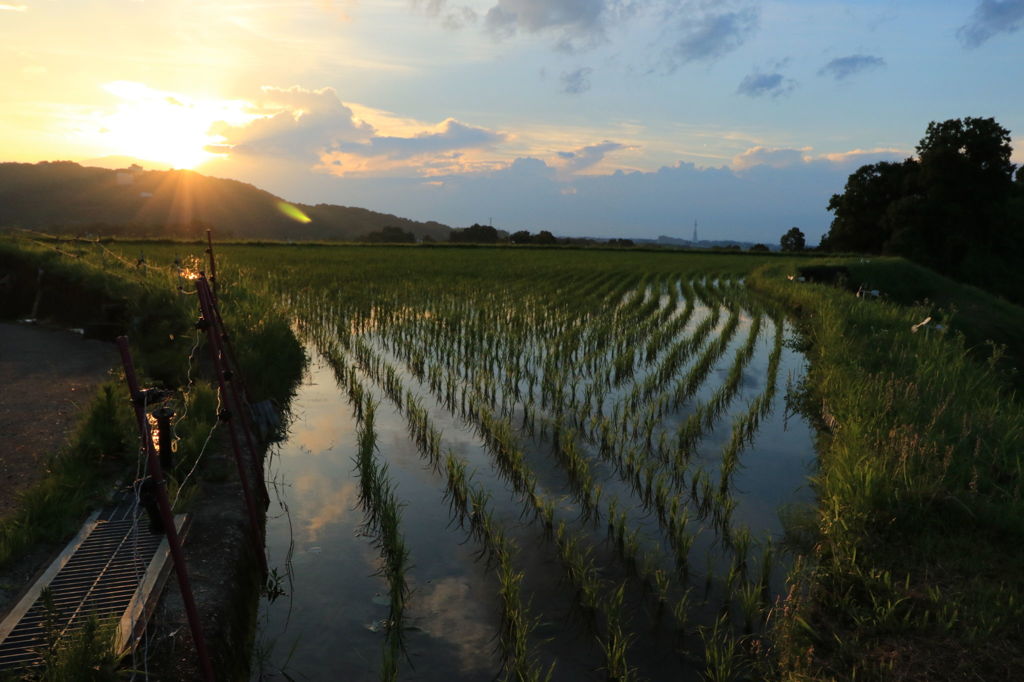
(955, 208)
(860, 222)
(793, 240)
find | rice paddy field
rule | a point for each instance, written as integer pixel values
(530, 464)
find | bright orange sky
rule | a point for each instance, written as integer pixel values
(525, 111)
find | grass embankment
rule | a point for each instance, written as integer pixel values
(914, 570)
(84, 284)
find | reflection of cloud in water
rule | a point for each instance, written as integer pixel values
(321, 427)
(323, 422)
(448, 611)
(327, 506)
(750, 381)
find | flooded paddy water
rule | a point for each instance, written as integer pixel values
(590, 486)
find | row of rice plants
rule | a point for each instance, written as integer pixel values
(538, 351)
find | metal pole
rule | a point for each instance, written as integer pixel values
(226, 416)
(213, 263)
(166, 516)
(232, 357)
(233, 376)
(163, 417)
(213, 298)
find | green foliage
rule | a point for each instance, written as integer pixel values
(108, 421)
(919, 489)
(90, 201)
(862, 223)
(76, 477)
(793, 240)
(955, 208)
(919, 483)
(389, 235)
(474, 234)
(87, 655)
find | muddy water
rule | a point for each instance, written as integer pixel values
(329, 622)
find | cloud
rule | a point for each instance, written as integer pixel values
(989, 19)
(576, 82)
(581, 23)
(459, 18)
(697, 30)
(775, 190)
(8, 7)
(588, 156)
(315, 129)
(578, 24)
(859, 157)
(788, 157)
(765, 156)
(294, 123)
(765, 84)
(450, 135)
(454, 18)
(844, 67)
(706, 31)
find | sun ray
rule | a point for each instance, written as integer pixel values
(167, 127)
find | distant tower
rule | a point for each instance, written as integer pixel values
(694, 231)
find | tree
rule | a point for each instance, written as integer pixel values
(860, 223)
(545, 237)
(956, 208)
(520, 237)
(966, 178)
(475, 234)
(759, 247)
(793, 240)
(389, 235)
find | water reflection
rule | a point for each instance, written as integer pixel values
(338, 599)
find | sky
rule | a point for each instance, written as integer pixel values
(604, 118)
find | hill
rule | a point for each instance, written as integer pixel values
(62, 196)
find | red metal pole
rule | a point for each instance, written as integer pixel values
(220, 338)
(166, 516)
(226, 416)
(232, 357)
(213, 263)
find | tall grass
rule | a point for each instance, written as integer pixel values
(921, 519)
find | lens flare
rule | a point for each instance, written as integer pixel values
(293, 212)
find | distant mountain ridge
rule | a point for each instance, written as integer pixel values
(67, 197)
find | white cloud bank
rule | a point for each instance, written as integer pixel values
(309, 146)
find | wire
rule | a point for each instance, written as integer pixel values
(199, 457)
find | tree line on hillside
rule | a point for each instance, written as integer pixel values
(64, 197)
(486, 234)
(958, 207)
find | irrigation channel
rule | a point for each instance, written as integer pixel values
(582, 479)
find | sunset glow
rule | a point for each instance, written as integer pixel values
(160, 126)
(600, 118)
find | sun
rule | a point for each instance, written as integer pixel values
(155, 125)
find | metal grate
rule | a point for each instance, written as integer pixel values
(97, 575)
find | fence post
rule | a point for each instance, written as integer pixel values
(226, 416)
(213, 263)
(163, 417)
(225, 353)
(164, 505)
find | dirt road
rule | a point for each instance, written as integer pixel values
(47, 378)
